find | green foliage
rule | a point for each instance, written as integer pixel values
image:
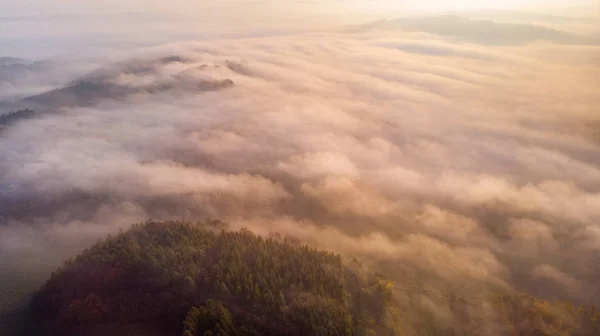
(213, 318)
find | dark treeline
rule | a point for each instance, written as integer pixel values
(11, 117)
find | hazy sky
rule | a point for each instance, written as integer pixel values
(30, 7)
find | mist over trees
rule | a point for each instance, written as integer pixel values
(178, 278)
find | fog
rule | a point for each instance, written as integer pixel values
(452, 164)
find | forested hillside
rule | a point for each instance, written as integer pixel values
(187, 279)
(230, 283)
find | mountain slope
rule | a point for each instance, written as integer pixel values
(155, 275)
(479, 31)
(169, 75)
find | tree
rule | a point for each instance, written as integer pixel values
(213, 319)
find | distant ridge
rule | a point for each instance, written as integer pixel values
(479, 31)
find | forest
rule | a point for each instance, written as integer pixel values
(178, 278)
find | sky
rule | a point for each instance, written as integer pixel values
(64, 28)
(455, 159)
(37, 7)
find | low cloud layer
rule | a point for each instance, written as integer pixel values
(454, 167)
